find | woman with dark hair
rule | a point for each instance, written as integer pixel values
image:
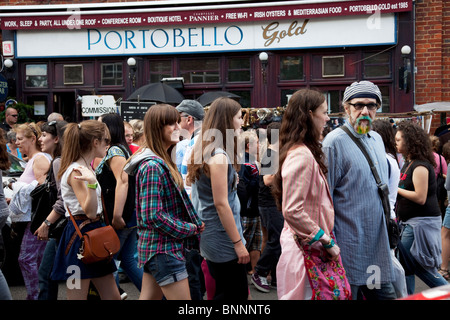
(119, 197)
(213, 175)
(5, 293)
(51, 142)
(301, 192)
(418, 208)
(167, 222)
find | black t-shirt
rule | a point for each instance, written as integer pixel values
(407, 209)
(269, 166)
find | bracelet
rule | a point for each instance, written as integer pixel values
(237, 241)
(92, 186)
(330, 244)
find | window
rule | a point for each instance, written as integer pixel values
(385, 96)
(377, 65)
(245, 100)
(333, 66)
(36, 76)
(73, 74)
(160, 69)
(239, 70)
(291, 68)
(112, 74)
(200, 71)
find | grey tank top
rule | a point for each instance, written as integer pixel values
(215, 244)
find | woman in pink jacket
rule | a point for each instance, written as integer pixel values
(301, 191)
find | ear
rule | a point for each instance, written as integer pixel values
(347, 108)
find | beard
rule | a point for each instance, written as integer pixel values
(361, 126)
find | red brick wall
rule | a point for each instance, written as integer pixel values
(432, 79)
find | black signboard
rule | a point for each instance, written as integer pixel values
(134, 110)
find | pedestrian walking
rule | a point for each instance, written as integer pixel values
(81, 193)
(360, 226)
(167, 221)
(213, 175)
(418, 208)
(271, 218)
(301, 192)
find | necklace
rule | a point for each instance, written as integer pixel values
(87, 165)
(403, 174)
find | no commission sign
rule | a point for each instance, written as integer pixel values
(95, 106)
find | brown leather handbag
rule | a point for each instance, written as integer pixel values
(98, 244)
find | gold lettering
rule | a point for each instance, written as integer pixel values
(270, 32)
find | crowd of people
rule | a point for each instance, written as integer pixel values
(200, 205)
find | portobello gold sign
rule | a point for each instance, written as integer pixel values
(272, 32)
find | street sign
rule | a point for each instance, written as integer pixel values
(134, 110)
(95, 106)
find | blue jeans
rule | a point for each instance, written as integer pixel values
(48, 288)
(166, 269)
(126, 255)
(430, 277)
(273, 221)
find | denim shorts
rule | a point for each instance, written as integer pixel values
(166, 269)
(446, 222)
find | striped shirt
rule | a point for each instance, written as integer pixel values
(307, 206)
(360, 227)
(165, 215)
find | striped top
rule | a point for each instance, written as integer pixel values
(307, 205)
(359, 226)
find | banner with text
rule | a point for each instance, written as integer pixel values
(259, 12)
(286, 34)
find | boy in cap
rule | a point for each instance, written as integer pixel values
(360, 225)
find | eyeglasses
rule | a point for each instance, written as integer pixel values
(14, 115)
(52, 123)
(360, 106)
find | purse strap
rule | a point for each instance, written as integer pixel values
(77, 229)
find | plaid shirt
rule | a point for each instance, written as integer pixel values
(167, 221)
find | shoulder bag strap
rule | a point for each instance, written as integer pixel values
(75, 224)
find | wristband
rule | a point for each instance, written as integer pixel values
(237, 241)
(92, 186)
(330, 244)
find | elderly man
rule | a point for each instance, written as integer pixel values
(11, 116)
(360, 227)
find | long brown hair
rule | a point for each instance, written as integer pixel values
(155, 119)
(218, 119)
(78, 140)
(4, 159)
(297, 127)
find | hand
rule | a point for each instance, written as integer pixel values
(42, 232)
(118, 223)
(86, 175)
(334, 252)
(242, 253)
(201, 228)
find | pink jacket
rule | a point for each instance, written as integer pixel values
(307, 204)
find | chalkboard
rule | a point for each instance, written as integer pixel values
(134, 110)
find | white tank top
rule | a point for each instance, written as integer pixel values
(69, 197)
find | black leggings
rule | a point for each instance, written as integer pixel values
(231, 280)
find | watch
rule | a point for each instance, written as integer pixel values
(48, 223)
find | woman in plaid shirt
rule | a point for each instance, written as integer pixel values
(167, 222)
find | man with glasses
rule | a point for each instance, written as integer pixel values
(11, 116)
(360, 227)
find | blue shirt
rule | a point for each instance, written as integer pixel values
(360, 227)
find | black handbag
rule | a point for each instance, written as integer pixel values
(441, 192)
(43, 197)
(383, 191)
